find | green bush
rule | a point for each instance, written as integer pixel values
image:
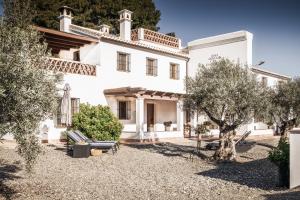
(97, 122)
(281, 157)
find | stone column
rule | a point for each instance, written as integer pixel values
(179, 111)
(139, 105)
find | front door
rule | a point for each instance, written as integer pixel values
(150, 117)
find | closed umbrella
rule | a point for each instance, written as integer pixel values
(66, 117)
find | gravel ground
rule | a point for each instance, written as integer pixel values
(160, 171)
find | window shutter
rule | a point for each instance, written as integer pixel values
(177, 72)
(128, 62)
(155, 68)
(118, 109)
(118, 61)
(128, 106)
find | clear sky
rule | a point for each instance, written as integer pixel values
(275, 25)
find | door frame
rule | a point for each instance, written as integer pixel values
(154, 115)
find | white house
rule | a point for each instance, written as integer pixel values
(236, 46)
(139, 74)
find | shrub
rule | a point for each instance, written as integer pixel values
(97, 122)
(281, 157)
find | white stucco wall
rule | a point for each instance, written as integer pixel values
(90, 88)
(236, 46)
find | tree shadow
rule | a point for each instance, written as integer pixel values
(293, 195)
(255, 174)
(7, 172)
(171, 149)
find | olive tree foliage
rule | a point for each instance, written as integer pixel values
(283, 106)
(229, 95)
(27, 92)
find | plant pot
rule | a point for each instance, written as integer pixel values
(284, 176)
(167, 128)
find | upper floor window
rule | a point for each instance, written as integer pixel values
(264, 81)
(151, 67)
(124, 110)
(76, 55)
(174, 71)
(123, 62)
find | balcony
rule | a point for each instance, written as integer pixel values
(68, 66)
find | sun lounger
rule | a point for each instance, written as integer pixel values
(86, 139)
(94, 145)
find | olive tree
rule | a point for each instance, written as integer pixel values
(283, 106)
(27, 92)
(229, 95)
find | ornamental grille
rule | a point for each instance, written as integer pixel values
(160, 38)
(156, 37)
(73, 67)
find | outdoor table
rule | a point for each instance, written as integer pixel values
(81, 150)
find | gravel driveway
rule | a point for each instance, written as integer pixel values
(161, 171)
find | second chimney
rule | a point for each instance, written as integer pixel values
(65, 18)
(125, 24)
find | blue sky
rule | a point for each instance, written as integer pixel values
(274, 23)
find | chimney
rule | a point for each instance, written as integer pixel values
(125, 24)
(65, 18)
(104, 29)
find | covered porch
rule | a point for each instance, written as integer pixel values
(147, 114)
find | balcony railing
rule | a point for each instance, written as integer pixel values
(67, 66)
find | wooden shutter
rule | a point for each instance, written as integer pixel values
(128, 67)
(171, 71)
(155, 68)
(128, 109)
(177, 72)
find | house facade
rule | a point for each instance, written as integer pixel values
(139, 73)
(236, 46)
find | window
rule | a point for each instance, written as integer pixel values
(151, 67)
(124, 110)
(264, 81)
(75, 105)
(76, 56)
(174, 71)
(74, 109)
(123, 62)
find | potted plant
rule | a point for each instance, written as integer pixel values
(167, 125)
(280, 156)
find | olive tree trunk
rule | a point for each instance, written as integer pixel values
(226, 149)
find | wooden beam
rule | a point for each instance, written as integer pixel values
(65, 35)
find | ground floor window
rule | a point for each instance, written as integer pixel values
(124, 110)
(74, 109)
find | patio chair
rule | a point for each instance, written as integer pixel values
(86, 139)
(94, 145)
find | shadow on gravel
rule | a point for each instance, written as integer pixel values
(295, 195)
(256, 174)
(7, 172)
(170, 149)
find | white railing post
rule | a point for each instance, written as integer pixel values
(294, 158)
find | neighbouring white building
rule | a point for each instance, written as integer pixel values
(139, 74)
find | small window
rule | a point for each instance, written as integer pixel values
(151, 67)
(123, 62)
(264, 81)
(174, 71)
(76, 56)
(74, 109)
(124, 110)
